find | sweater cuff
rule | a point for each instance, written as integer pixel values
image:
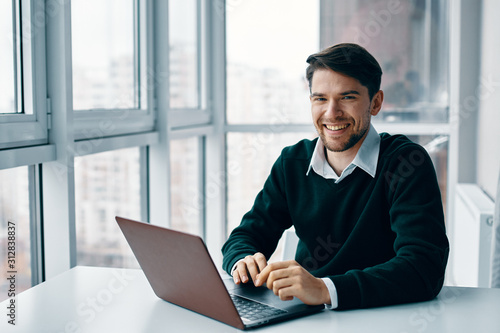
(333, 294)
(348, 293)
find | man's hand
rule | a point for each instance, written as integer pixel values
(287, 279)
(252, 265)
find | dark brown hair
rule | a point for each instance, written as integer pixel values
(351, 60)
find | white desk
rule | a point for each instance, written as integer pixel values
(88, 299)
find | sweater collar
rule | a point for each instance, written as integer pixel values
(366, 158)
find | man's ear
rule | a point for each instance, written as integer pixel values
(376, 103)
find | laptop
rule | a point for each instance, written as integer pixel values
(180, 271)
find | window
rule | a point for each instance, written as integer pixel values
(188, 79)
(266, 60)
(15, 212)
(9, 53)
(111, 88)
(267, 93)
(113, 78)
(409, 40)
(106, 184)
(105, 67)
(187, 110)
(184, 57)
(250, 157)
(187, 198)
(23, 117)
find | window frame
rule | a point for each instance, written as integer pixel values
(102, 123)
(202, 115)
(30, 127)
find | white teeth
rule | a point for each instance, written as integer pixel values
(335, 128)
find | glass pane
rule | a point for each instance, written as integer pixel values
(409, 40)
(183, 36)
(186, 194)
(14, 227)
(106, 184)
(251, 156)
(8, 52)
(266, 60)
(104, 64)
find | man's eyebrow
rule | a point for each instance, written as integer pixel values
(344, 93)
(350, 92)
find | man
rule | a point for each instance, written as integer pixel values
(366, 207)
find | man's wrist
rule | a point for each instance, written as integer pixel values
(333, 294)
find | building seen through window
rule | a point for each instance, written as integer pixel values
(409, 40)
(106, 185)
(184, 53)
(9, 58)
(15, 213)
(105, 70)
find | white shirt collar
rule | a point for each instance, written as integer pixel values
(366, 158)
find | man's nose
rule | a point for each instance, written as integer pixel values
(333, 109)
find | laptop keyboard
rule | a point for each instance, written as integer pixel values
(252, 310)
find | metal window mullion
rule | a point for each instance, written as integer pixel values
(427, 42)
(58, 186)
(215, 161)
(16, 17)
(201, 185)
(144, 181)
(28, 46)
(36, 228)
(205, 79)
(199, 50)
(147, 75)
(158, 154)
(137, 54)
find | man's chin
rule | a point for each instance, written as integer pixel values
(335, 147)
(340, 146)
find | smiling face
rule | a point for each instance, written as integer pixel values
(341, 110)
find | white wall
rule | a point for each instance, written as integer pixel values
(488, 141)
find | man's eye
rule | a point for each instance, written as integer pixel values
(348, 97)
(320, 99)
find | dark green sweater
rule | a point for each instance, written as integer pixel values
(381, 240)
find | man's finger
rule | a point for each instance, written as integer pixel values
(282, 280)
(261, 261)
(277, 275)
(285, 293)
(252, 267)
(236, 277)
(264, 274)
(241, 272)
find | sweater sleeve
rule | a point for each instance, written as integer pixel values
(416, 272)
(262, 227)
